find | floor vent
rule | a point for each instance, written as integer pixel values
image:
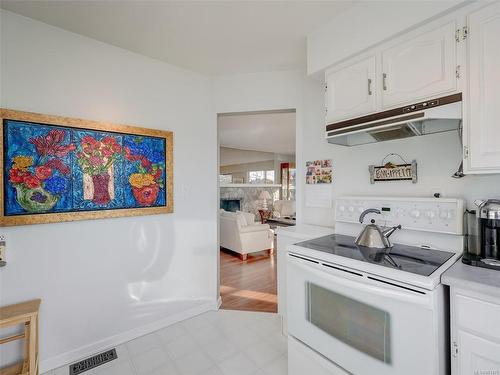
(94, 361)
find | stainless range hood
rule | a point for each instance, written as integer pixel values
(429, 117)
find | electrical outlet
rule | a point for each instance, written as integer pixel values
(3, 250)
(2, 237)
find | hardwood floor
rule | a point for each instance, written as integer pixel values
(248, 285)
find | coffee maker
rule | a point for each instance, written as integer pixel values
(483, 242)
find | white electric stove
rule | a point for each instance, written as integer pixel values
(373, 311)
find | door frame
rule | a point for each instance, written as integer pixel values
(217, 116)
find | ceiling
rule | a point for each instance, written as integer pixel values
(266, 131)
(210, 37)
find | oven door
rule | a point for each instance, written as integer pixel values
(363, 323)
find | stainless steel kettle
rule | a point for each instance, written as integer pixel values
(372, 235)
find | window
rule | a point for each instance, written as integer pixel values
(288, 172)
(261, 177)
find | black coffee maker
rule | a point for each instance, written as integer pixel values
(483, 243)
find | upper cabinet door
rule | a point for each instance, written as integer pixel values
(351, 91)
(484, 90)
(420, 68)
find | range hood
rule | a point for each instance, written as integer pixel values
(429, 117)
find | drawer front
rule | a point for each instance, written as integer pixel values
(478, 315)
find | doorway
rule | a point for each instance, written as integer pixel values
(256, 190)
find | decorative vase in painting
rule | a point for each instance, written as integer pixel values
(35, 200)
(99, 188)
(146, 195)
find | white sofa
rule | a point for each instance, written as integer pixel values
(240, 233)
(284, 208)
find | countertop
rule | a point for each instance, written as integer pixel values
(478, 279)
(304, 231)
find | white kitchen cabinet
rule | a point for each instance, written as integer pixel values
(475, 341)
(482, 136)
(478, 355)
(421, 67)
(351, 90)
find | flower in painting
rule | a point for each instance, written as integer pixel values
(49, 145)
(96, 157)
(17, 176)
(32, 182)
(140, 180)
(146, 163)
(155, 157)
(22, 162)
(57, 164)
(43, 172)
(38, 197)
(96, 161)
(90, 144)
(56, 185)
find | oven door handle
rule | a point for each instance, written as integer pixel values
(361, 283)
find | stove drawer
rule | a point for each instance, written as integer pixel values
(477, 315)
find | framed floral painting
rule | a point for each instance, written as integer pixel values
(62, 169)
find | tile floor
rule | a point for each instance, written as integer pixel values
(223, 342)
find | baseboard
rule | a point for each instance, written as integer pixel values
(98, 346)
(219, 302)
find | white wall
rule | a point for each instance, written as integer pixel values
(262, 92)
(104, 281)
(232, 156)
(366, 24)
(437, 156)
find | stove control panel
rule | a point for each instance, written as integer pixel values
(426, 214)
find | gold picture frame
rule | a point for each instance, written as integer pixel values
(83, 125)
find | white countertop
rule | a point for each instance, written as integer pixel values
(304, 231)
(467, 277)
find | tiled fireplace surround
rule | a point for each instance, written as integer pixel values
(249, 196)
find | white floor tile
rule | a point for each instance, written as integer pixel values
(182, 346)
(214, 371)
(278, 342)
(166, 370)
(150, 360)
(208, 334)
(172, 332)
(196, 363)
(220, 350)
(244, 337)
(262, 353)
(277, 367)
(239, 364)
(143, 344)
(220, 342)
(120, 368)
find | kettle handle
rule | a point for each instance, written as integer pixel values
(366, 212)
(479, 202)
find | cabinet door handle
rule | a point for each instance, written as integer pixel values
(369, 86)
(384, 81)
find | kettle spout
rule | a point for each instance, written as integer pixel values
(387, 233)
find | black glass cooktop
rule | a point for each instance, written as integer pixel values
(406, 258)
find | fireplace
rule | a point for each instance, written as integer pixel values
(230, 204)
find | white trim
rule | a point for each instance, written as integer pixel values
(98, 346)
